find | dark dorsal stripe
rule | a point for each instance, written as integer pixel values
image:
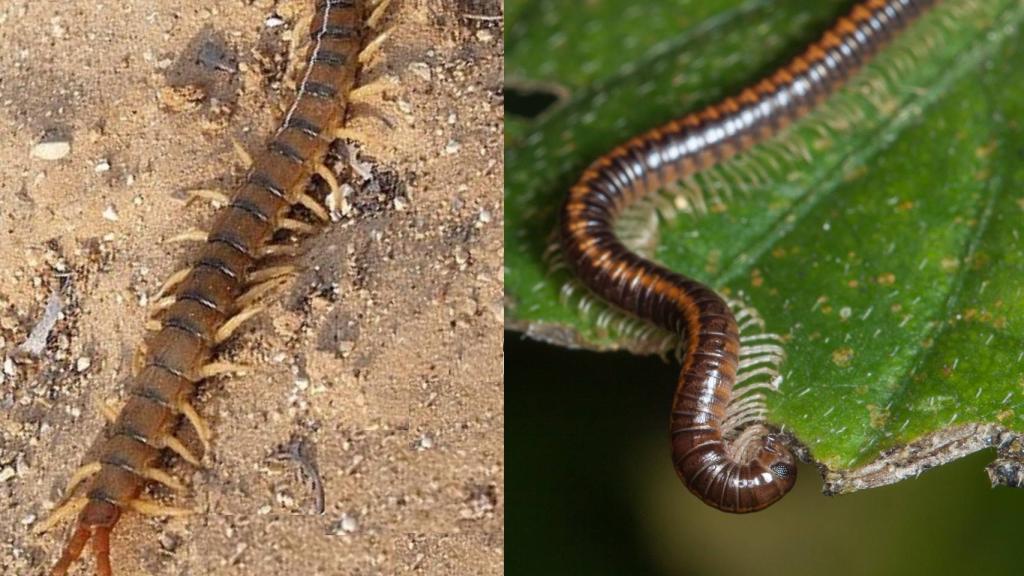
(283, 149)
(320, 90)
(261, 179)
(307, 127)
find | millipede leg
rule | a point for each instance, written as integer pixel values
(82, 473)
(151, 508)
(234, 322)
(197, 422)
(69, 508)
(178, 448)
(271, 273)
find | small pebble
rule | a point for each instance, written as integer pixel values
(51, 150)
(83, 363)
(102, 166)
(110, 213)
(274, 21)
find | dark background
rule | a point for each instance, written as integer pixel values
(591, 490)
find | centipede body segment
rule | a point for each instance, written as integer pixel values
(209, 300)
(755, 470)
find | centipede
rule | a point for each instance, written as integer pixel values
(202, 305)
(720, 449)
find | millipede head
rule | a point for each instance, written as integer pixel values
(775, 456)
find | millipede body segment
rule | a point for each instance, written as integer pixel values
(210, 299)
(718, 471)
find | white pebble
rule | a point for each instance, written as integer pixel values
(102, 166)
(83, 363)
(51, 150)
(110, 213)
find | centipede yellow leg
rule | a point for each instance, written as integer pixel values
(216, 196)
(201, 427)
(217, 368)
(378, 14)
(178, 448)
(81, 474)
(373, 47)
(175, 279)
(234, 322)
(158, 475)
(194, 235)
(69, 508)
(151, 508)
(313, 206)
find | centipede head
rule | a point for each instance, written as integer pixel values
(96, 521)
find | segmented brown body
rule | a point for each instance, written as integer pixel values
(207, 298)
(682, 147)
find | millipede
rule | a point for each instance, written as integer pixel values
(202, 305)
(721, 450)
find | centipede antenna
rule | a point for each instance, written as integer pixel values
(72, 550)
(101, 549)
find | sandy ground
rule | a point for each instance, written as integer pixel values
(382, 359)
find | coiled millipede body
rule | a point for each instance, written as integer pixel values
(730, 469)
(208, 301)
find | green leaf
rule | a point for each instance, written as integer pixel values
(880, 235)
